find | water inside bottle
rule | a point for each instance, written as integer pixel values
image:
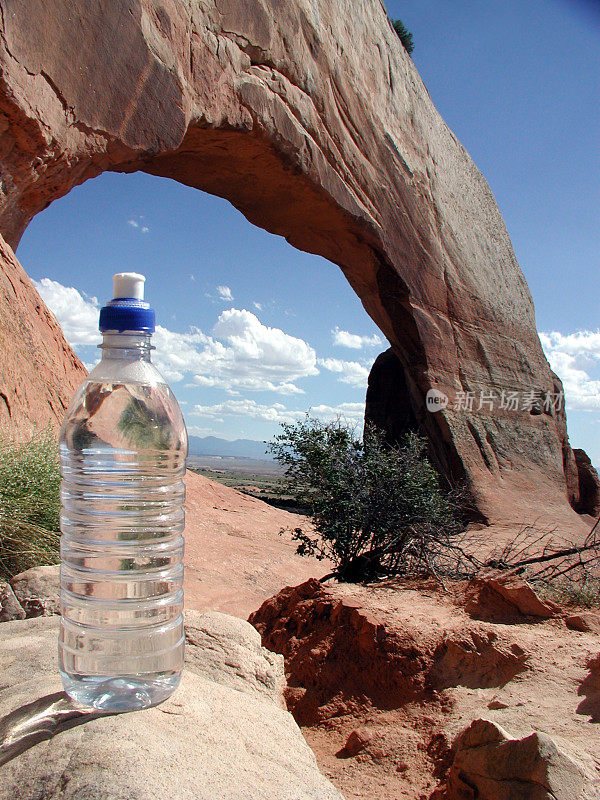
(122, 452)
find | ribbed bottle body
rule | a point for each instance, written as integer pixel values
(122, 449)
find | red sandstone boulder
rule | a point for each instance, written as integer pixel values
(584, 621)
(10, 608)
(590, 690)
(589, 485)
(502, 597)
(490, 765)
(38, 591)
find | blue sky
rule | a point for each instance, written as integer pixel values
(518, 84)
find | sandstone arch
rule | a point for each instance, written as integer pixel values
(309, 117)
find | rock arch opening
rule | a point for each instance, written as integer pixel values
(256, 326)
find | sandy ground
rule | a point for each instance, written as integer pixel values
(408, 750)
(235, 557)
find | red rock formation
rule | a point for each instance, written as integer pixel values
(38, 370)
(313, 121)
(505, 597)
(390, 406)
(342, 654)
(384, 678)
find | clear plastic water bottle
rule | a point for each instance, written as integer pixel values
(123, 447)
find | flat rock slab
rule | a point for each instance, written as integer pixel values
(209, 741)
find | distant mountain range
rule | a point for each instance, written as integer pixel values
(239, 448)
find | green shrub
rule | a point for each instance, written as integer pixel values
(376, 510)
(404, 35)
(29, 503)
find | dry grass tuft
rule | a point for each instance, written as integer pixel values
(29, 503)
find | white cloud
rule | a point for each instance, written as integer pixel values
(77, 316)
(573, 356)
(351, 412)
(261, 352)
(353, 340)
(224, 293)
(277, 412)
(257, 306)
(246, 408)
(138, 224)
(178, 354)
(242, 354)
(351, 372)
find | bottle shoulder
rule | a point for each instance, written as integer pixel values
(134, 370)
(120, 412)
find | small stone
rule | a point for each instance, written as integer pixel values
(585, 621)
(357, 741)
(497, 705)
(38, 591)
(10, 608)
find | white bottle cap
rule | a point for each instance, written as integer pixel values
(128, 284)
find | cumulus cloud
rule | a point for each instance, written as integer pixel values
(261, 352)
(351, 412)
(76, 314)
(352, 372)
(224, 293)
(353, 340)
(242, 354)
(179, 354)
(277, 412)
(573, 357)
(246, 407)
